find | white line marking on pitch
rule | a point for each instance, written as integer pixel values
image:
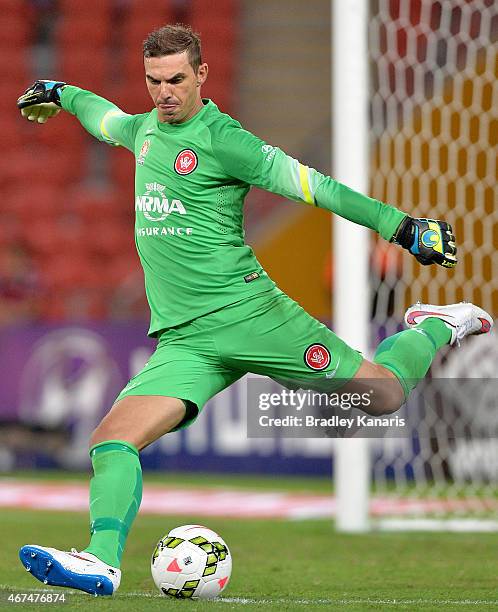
(267, 602)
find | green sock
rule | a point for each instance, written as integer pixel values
(409, 353)
(115, 496)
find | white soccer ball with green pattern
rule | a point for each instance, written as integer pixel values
(191, 562)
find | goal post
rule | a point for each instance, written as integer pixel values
(350, 159)
(428, 146)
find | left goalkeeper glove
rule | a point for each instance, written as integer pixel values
(41, 101)
(429, 240)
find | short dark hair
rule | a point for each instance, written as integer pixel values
(172, 39)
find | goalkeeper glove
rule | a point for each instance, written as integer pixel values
(429, 240)
(41, 101)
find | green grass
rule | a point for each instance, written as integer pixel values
(277, 565)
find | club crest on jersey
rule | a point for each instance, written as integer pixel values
(317, 357)
(185, 162)
(143, 152)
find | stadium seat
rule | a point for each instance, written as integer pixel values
(110, 239)
(132, 96)
(86, 32)
(144, 16)
(93, 205)
(121, 168)
(16, 33)
(12, 134)
(57, 168)
(219, 46)
(123, 265)
(87, 68)
(140, 18)
(11, 229)
(220, 91)
(15, 7)
(212, 10)
(63, 133)
(16, 72)
(42, 240)
(85, 8)
(43, 201)
(10, 90)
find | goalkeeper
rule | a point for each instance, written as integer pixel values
(214, 311)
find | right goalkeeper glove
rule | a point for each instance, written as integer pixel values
(429, 240)
(41, 101)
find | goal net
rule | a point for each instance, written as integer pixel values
(434, 129)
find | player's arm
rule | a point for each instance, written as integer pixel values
(248, 158)
(101, 118)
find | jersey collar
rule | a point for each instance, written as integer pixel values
(174, 127)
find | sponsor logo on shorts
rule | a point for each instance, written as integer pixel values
(185, 162)
(317, 357)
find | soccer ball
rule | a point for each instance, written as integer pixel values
(191, 562)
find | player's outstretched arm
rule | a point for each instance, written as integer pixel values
(248, 158)
(101, 118)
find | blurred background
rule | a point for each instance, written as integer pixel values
(73, 315)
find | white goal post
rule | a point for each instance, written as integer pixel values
(351, 294)
(414, 88)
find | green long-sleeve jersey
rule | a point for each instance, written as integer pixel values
(191, 179)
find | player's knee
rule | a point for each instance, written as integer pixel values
(385, 391)
(104, 433)
(139, 420)
(388, 395)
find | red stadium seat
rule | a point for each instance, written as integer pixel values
(132, 66)
(85, 8)
(40, 164)
(43, 202)
(213, 10)
(13, 134)
(15, 71)
(88, 32)
(9, 92)
(63, 133)
(42, 239)
(16, 33)
(132, 96)
(122, 168)
(219, 46)
(93, 205)
(85, 68)
(11, 229)
(110, 239)
(140, 18)
(145, 16)
(220, 90)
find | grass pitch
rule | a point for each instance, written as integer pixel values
(277, 565)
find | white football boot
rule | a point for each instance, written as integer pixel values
(76, 570)
(463, 319)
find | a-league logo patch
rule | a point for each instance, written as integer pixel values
(317, 357)
(143, 152)
(185, 162)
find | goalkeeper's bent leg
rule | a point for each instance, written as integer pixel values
(409, 354)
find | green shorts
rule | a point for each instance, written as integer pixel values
(267, 334)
